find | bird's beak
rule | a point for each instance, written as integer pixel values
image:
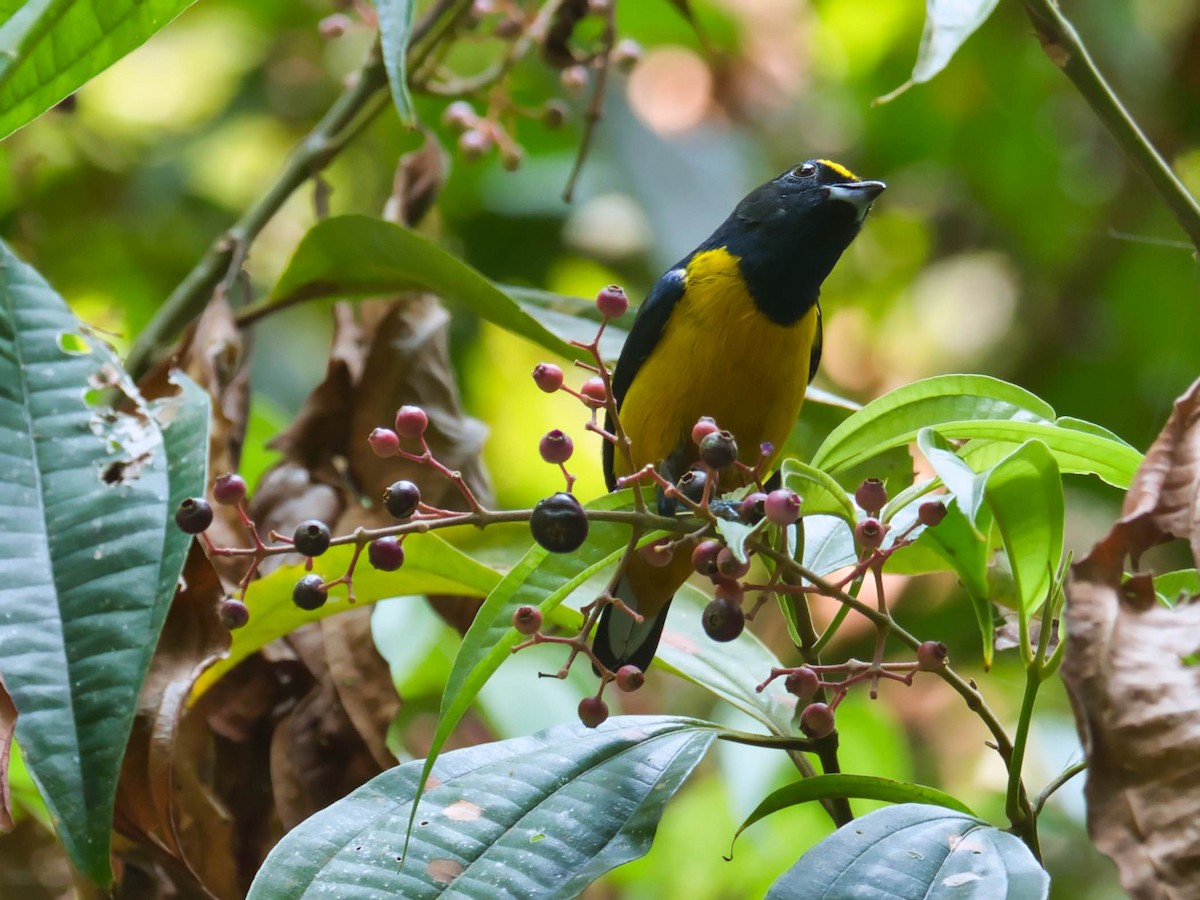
(859, 194)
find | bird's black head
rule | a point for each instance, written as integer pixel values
(789, 233)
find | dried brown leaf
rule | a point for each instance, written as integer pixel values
(8, 724)
(418, 181)
(1130, 668)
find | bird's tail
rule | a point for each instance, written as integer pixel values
(622, 640)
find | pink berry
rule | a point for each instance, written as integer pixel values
(527, 620)
(704, 557)
(592, 711)
(752, 507)
(728, 589)
(594, 392)
(704, 426)
(548, 377)
(728, 565)
(384, 442)
(460, 115)
(334, 26)
(555, 447)
(612, 302)
(411, 421)
(802, 683)
(871, 495)
(817, 720)
(931, 513)
(630, 678)
(782, 506)
(229, 489)
(869, 533)
(474, 144)
(931, 656)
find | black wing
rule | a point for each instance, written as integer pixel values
(648, 326)
(814, 355)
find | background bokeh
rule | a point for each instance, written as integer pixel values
(1014, 240)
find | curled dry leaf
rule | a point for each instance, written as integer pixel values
(1134, 683)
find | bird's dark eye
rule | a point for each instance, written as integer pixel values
(807, 170)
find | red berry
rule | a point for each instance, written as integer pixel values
(334, 26)
(229, 489)
(782, 507)
(752, 509)
(657, 554)
(612, 302)
(384, 442)
(548, 377)
(592, 711)
(932, 655)
(527, 620)
(194, 515)
(556, 447)
(728, 589)
(869, 533)
(401, 499)
(311, 537)
(630, 678)
(594, 392)
(719, 449)
(411, 421)
(234, 614)
(817, 720)
(310, 593)
(931, 513)
(386, 554)
(728, 565)
(802, 683)
(871, 496)
(704, 426)
(723, 620)
(558, 523)
(704, 557)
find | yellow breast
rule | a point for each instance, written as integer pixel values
(719, 356)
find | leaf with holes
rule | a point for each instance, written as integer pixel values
(539, 816)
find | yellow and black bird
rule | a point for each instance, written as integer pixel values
(732, 331)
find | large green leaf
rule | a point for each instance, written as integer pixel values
(50, 48)
(820, 493)
(395, 23)
(357, 256)
(916, 851)
(88, 564)
(431, 566)
(862, 787)
(541, 816)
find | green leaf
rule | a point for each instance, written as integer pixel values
(860, 787)
(948, 24)
(895, 418)
(1025, 494)
(932, 852)
(357, 256)
(395, 24)
(51, 48)
(730, 671)
(960, 479)
(88, 564)
(431, 566)
(736, 533)
(1172, 587)
(540, 816)
(1076, 451)
(821, 494)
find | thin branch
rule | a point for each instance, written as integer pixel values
(1066, 50)
(1062, 778)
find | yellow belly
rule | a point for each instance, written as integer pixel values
(720, 357)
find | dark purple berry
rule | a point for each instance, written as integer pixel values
(704, 426)
(612, 302)
(594, 392)
(234, 613)
(527, 620)
(592, 711)
(556, 447)
(752, 509)
(931, 656)
(384, 442)
(310, 592)
(782, 507)
(704, 557)
(401, 499)
(719, 449)
(728, 565)
(411, 422)
(558, 523)
(229, 489)
(548, 377)
(194, 515)
(802, 683)
(691, 485)
(311, 537)
(817, 720)
(723, 619)
(386, 554)
(931, 512)
(869, 533)
(630, 678)
(871, 496)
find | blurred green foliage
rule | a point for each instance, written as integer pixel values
(1014, 240)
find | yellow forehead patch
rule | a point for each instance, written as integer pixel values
(840, 169)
